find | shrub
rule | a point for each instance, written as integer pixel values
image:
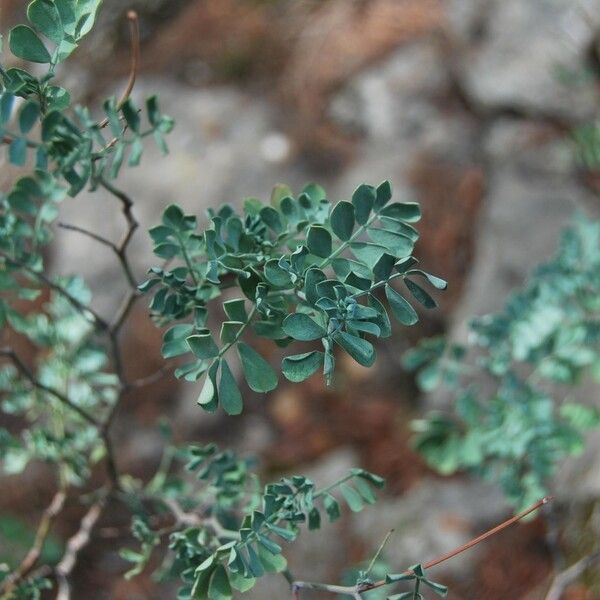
(303, 269)
(515, 413)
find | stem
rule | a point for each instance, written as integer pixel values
(134, 32)
(238, 335)
(79, 306)
(188, 262)
(347, 243)
(33, 555)
(379, 551)
(377, 285)
(566, 577)
(75, 545)
(333, 485)
(354, 590)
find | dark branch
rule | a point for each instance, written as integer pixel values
(24, 370)
(75, 303)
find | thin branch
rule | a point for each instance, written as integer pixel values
(102, 240)
(356, 590)
(24, 370)
(33, 555)
(74, 546)
(134, 32)
(568, 576)
(150, 379)
(82, 308)
(105, 242)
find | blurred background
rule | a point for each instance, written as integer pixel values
(468, 107)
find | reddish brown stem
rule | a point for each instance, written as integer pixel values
(357, 590)
(134, 30)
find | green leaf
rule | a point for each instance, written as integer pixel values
(436, 282)
(332, 507)
(272, 562)
(438, 588)
(360, 350)
(235, 309)
(7, 102)
(86, 13)
(383, 267)
(17, 152)
(315, 192)
(302, 328)
(410, 212)
(363, 200)
(352, 498)
(365, 490)
(318, 241)
(396, 243)
(342, 220)
(24, 43)
(229, 393)
(209, 398)
(66, 10)
(219, 588)
(173, 215)
(175, 341)
(271, 218)
(230, 331)
(43, 14)
(420, 294)
(276, 275)
(240, 583)
(401, 308)
(203, 345)
(384, 194)
(28, 116)
(311, 279)
(259, 374)
(368, 252)
(382, 319)
(299, 367)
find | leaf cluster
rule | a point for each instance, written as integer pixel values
(308, 271)
(531, 355)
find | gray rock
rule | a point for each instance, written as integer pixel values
(430, 520)
(527, 50)
(531, 189)
(390, 99)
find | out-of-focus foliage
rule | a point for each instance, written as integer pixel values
(525, 417)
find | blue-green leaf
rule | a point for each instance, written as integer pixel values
(299, 367)
(258, 372)
(24, 43)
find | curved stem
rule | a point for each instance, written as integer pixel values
(134, 31)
